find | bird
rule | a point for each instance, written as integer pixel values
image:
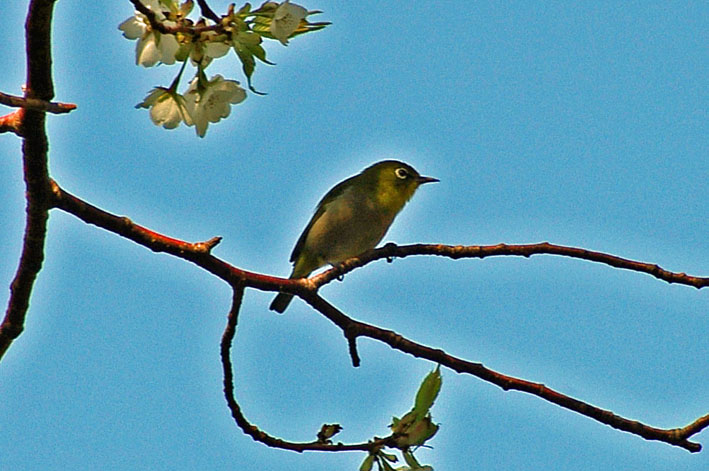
(351, 218)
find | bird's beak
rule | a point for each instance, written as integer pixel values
(422, 180)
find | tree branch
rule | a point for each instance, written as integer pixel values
(455, 252)
(307, 289)
(127, 228)
(208, 12)
(197, 252)
(350, 327)
(36, 104)
(12, 122)
(251, 430)
(36, 175)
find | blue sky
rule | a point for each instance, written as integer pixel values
(578, 123)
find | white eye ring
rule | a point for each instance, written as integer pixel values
(401, 173)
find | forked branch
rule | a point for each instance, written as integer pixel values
(352, 329)
(307, 289)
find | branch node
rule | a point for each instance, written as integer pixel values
(207, 246)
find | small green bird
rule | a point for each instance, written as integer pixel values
(352, 218)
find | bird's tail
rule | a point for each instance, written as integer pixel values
(303, 267)
(281, 302)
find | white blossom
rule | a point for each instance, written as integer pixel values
(286, 20)
(167, 108)
(211, 101)
(152, 47)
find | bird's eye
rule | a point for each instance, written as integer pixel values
(401, 173)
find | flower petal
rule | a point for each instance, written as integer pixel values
(152, 97)
(132, 28)
(215, 49)
(166, 112)
(168, 46)
(147, 53)
(286, 20)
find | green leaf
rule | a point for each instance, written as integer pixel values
(427, 393)
(411, 460)
(267, 8)
(244, 11)
(262, 26)
(183, 52)
(389, 457)
(385, 465)
(186, 8)
(251, 42)
(327, 431)
(247, 60)
(247, 64)
(367, 463)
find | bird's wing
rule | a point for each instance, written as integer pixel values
(336, 191)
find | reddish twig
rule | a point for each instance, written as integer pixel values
(12, 122)
(36, 104)
(524, 250)
(36, 175)
(251, 430)
(125, 227)
(352, 329)
(198, 252)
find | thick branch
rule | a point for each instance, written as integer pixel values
(127, 228)
(525, 250)
(197, 253)
(350, 327)
(36, 176)
(38, 30)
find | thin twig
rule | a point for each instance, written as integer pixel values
(524, 250)
(250, 429)
(12, 122)
(36, 104)
(207, 12)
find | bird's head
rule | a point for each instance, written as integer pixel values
(395, 182)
